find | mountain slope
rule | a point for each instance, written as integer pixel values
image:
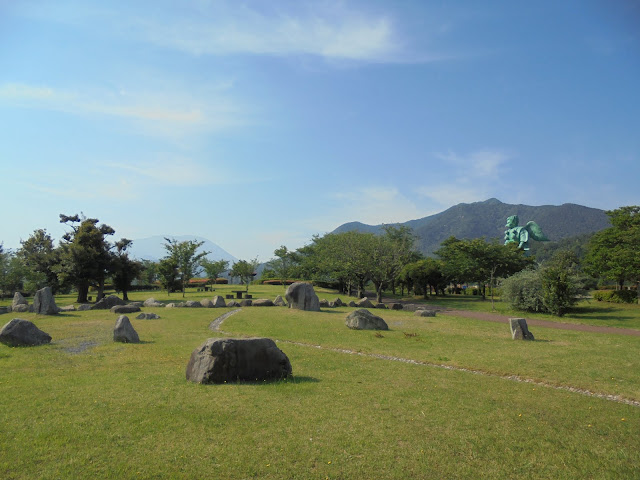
(487, 219)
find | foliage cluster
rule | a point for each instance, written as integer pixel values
(616, 296)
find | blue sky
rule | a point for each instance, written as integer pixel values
(258, 124)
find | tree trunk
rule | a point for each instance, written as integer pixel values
(425, 288)
(379, 293)
(83, 291)
(124, 296)
(100, 295)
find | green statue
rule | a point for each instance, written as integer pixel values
(521, 235)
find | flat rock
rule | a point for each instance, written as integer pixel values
(363, 319)
(124, 331)
(152, 303)
(394, 306)
(262, 302)
(67, 308)
(23, 333)
(192, 304)
(148, 316)
(125, 309)
(83, 307)
(246, 302)
(425, 313)
(20, 308)
(220, 360)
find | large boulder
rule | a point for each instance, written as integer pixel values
(364, 303)
(301, 296)
(124, 331)
(44, 303)
(363, 319)
(125, 309)
(519, 329)
(23, 333)
(324, 303)
(395, 306)
(152, 303)
(220, 360)
(18, 299)
(246, 302)
(106, 303)
(218, 302)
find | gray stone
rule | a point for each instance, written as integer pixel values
(425, 313)
(338, 303)
(107, 303)
(125, 309)
(136, 304)
(67, 308)
(519, 329)
(324, 303)
(83, 307)
(218, 302)
(18, 299)
(152, 303)
(23, 333)
(262, 302)
(301, 296)
(279, 301)
(170, 305)
(44, 303)
(148, 316)
(363, 319)
(193, 304)
(352, 304)
(395, 306)
(246, 302)
(20, 308)
(124, 331)
(364, 303)
(4, 310)
(381, 305)
(206, 303)
(220, 360)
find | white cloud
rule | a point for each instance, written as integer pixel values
(374, 205)
(161, 113)
(469, 178)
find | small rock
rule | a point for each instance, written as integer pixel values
(246, 302)
(262, 302)
(107, 303)
(147, 316)
(519, 329)
(425, 313)
(364, 303)
(192, 304)
(279, 301)
(218, 302)
(84, 306)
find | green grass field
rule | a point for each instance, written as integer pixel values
(85, 407)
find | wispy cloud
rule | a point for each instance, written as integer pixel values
(471, 177)
(163, 113)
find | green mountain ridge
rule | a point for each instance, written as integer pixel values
(487, 219)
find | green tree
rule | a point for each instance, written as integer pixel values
(125, 270)
(169, 275)
(149, 273)
(213, 269)
(245, 270)
(12, 272)
(614, 253)
(283, 264)
(85, 257)
(479, 261)
(186, 257)
(427, 273)
(40, 258)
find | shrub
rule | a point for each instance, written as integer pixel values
(616, 296)
(523, 291)
(277, 281)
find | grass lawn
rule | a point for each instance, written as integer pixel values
(85, 407)
(588, 311)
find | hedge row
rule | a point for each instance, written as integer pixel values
(616, 296)
(276, 281)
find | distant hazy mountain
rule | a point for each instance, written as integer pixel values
(487, 219)
(152, 248)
